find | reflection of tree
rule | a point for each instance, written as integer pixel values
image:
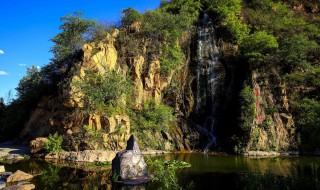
(50, 175)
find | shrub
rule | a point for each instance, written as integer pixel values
(247, 108)
(54, 143)
(152, 117)
(102, 94)
(165, 173)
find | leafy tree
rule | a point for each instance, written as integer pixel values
(54, 143)
(257, 45)
(295, 50)
(129, 16)
(74, 32)
(307, 112)
(30, 85)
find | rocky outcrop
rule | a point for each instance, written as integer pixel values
(37, 145)
(273, 126)
(19, 176)
(83, 156)
(129, 164)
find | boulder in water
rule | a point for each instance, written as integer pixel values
(19, 176)
(129, 164)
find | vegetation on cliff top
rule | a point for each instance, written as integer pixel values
(269, 34)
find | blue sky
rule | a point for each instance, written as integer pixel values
(27, 26)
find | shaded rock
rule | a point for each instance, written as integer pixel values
(37, 145)
(2, 169)
(129, 164)
(19, 176)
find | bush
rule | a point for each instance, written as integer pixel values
(172, 56)
(152, 117)
(247, 108)
(54, 143)
(102, 94)
(165, 173)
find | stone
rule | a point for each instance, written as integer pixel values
(19, 176)
(37, 145)
(2, 169)
(129, 164)
(22, 186)
(83, 156)
(2, 184)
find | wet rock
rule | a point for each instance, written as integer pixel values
(21, 186)
(37, 145)
(19, 176)
(129, 164)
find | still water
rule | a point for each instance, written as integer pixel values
(207, 172)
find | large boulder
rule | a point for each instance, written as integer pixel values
(19, 176)
(129, 164)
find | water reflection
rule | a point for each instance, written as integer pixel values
(221, 172)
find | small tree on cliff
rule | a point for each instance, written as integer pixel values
(75, 31)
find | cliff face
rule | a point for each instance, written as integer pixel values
(63, 113)
(273, 127)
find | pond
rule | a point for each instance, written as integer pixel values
(207, 172)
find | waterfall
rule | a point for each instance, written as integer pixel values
(210, 74)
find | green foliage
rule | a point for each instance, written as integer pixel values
(103, 93)
(74, 32)
(54, 143)
(100, 164)
(165, 173)
(152, 117)
(308, 112)
(129, 16)
(228, 12)
(176, 164)
(30, 85)
(247, 108)
(172, 57)
(257, 45)
(295, 50)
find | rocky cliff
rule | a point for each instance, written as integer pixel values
(63, 113)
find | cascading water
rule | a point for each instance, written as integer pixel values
(210, 74)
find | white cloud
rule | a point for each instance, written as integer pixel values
(3, 73)
(1, 52)
(22, 65)
(38, 67)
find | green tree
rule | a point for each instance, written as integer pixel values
(257, 45)
(30, 85)
(75, 31)
(129, 16)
